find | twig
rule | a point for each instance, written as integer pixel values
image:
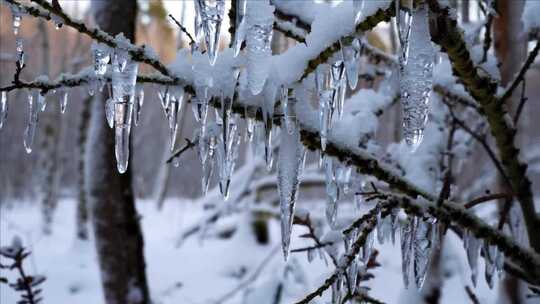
(184, 30)
(521, 74)
(471, 295)
(189, 144)
(487, 198)
(447, 180)
(522, 102)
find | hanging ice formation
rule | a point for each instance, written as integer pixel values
(240, 25)
(138, 104)
(3, 109)
(227, 155)
(174, 109)
(259, 19)
(109, 112)
(332, 191)
(17, 17)
(472, 248)
(207, 146)
(63, 101)
(290, 161)
(416, 74)
(407, 239)
(351, 57)
(19, 45)
(423, 245)
(404, 20)
(210, 14)
(30, 132)
(358, 8)
(101, 54)
(124, 78)
(324, 89)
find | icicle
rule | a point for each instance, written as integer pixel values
(289, 163)
(381, 229)
(202, 105)
(310, 255)
(472, 247)
(367, 248)
(351, 57)
(109, 112)
(268, 149)
(227, 155)
(344, 178)
(211, 14)
(197, 22)
(101, 55)
(358, 7)
(422, 251)
(332, 191)
(407, 235)
(260, 19)
(175, 107)
(30, 132)
(250, 126)
(240, 26)
(416, 80)
(41, 101)
(289, 118)
(139, 101)
(404, 21)
(324, 84)
(123, 83)
(352, 274)
(3, 109)
(336, 290)
(63, 101)
(208, 165)
(19, 46)
(17, 18)
(490, 257)
(338, 86)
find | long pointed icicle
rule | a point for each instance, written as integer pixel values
(211, 14)
(422, 251)
(123, 82)
(63, 101)
(30, 132)
(289, 163)
(240, 25)
(325, 92)
(472, 247)
(351, 57)
(3, 109)
(175, 107)
(416, 79)
(407, 237)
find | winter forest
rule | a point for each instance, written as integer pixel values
(269, 151)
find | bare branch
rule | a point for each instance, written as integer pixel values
(520, 76)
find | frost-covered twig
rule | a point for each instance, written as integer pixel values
(483, 88)
(48, 12)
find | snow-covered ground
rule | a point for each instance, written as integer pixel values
(202, 271)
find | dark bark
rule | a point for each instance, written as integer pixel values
(119, 240)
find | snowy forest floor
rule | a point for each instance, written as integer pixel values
(202, 272)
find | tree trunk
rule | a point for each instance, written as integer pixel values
(49, 141)
(118, 236)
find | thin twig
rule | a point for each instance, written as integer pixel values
(471, 295)
(189, 144)
(521, 75)
(184, 30)
(487, 198)
(522, 102)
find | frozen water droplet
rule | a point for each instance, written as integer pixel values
(211, 15)
(260, 20)
(289, 164)
(30, 132)
(3, 109)
(472, 247)
(63, 102)
(41, 101)
(227, 155)
(416, 80)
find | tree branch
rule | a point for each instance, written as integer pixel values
(483, 89)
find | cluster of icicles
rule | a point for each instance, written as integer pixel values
(219, 138)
